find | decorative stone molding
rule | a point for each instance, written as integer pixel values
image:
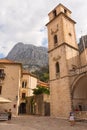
(56, 58)
(54, 31)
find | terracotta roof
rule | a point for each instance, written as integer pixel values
(26, 72)
(8, 61)
(43, 83)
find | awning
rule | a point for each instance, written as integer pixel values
(4, 100)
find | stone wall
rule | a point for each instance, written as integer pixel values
(10, 87)
(38, 105)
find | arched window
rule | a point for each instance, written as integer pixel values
(55, 39)
(57, 68)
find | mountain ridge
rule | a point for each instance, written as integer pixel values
(31, 56)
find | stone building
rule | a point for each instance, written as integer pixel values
(67, 65)
(10, 82)
(29, 82)
(38, 105)
(15, 84)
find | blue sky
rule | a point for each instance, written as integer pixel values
(25, 20)
(2, 55)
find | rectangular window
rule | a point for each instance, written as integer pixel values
(55, 40)
(2, 74)
(0, 89)
(24, 84)
(57, 70)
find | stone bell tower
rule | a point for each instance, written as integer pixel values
(62, 48)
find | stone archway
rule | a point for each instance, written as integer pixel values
(79, 94)
(22, 108)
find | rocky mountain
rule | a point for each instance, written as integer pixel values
(32, 57)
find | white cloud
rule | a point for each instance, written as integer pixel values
(24, 20)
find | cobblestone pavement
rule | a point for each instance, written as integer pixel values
(40, 123)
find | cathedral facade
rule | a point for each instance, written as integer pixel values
(67, 65)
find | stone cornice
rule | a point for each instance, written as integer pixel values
(62, 45)
(63, 14)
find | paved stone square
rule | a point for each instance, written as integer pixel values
(40, 123)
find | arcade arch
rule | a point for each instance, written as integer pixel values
(79, 93)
